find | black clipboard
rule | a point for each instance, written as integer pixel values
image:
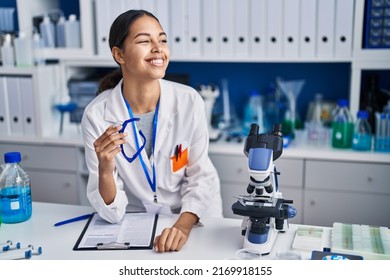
(130, 221)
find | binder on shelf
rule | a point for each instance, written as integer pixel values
(130, 5)
(274, 28)
(241, 25)
(194, 28)
(103, 24)
(344, 28)
(14, 106)
(162, 13)
(290, 28)
(308, 28)
(257, 28)
(325, 28)
(4, 115)
(178, 29)
(210, 27)
(226, 27)
(148, 5)
(26, 93)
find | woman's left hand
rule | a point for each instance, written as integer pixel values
(174, 238)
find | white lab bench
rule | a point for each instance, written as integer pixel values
(218, 239)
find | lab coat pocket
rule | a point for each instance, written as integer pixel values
(179, 160)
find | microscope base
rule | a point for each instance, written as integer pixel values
(265, 247)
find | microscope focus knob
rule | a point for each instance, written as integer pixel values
(250, 189)
(259, 191)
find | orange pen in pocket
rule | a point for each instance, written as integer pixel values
(179, 159)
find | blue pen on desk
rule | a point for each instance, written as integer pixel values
(75, 219)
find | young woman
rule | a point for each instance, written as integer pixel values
(146, 138)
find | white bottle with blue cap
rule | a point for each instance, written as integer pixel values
(15, 190)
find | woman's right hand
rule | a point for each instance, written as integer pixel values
(107, 146)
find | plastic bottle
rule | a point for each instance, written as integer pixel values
(72, 32)
(253, 112)
(362, 133)
(342, 126)
(46, 28)
(37, 46)
(60, 33)
(23, 51)
(7, 51)
(15, 190)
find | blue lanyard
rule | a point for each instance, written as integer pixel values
(151, 181)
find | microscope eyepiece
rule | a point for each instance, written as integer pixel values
(254, 129)
(277, 130)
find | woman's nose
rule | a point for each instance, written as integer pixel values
(156, 48)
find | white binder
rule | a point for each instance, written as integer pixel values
(4, 114)
(128, 5)
(210, 27)
(325, 28)
(308, 28)
(179, 38)
(344, 28)
(103, 24)
(194, 28)
(26, 94)
(274, 28)
(14, 106)
(257, 28)
(226, 27)
(290, 28)
(241, 44)
(148, 5)
(162, 13)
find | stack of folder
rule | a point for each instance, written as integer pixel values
(17, 110)
(215, 29)
(377, 24)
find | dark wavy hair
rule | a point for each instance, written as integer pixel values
(118, 33)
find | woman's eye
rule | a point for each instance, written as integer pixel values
(164, 41)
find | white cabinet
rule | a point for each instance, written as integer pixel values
(234, 176)
(347, 192)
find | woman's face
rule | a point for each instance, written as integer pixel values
(145, 52)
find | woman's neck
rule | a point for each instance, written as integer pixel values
(143, 97)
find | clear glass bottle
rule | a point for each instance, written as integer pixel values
(342, 126)
(362, 134)
(15, 190)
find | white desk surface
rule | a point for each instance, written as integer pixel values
(217, 239)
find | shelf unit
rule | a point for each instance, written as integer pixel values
(73, 61)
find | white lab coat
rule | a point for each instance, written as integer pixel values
(181, 120)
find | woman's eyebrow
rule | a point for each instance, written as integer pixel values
(148, 34)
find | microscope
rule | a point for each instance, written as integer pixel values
(209, 94)
(264, 209)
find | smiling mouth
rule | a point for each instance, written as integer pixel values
(156, 61)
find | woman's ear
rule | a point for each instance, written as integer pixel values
(117, 54)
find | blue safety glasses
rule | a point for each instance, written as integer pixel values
(125, 123)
